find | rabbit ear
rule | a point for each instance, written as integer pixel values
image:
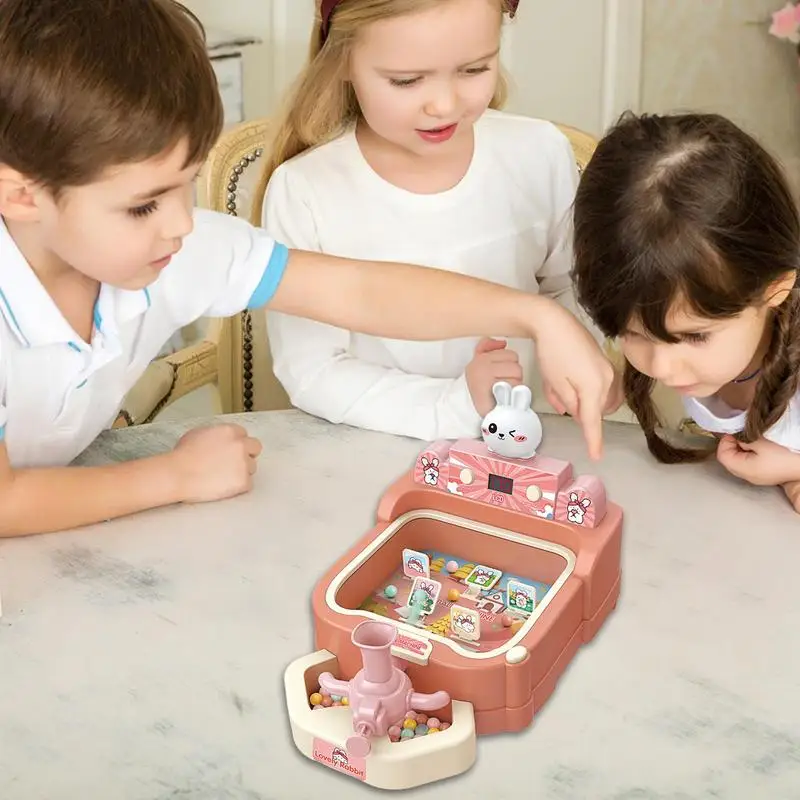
(502, 393)
(521, 398)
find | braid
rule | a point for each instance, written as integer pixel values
(780, 372)
(639, 397)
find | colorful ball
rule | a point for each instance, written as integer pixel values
(407, 734)
(433, 730)
(507, 621)
(420, 730)
(390, 591)
(315, 699)
(409, 724)
(434, 723)
(451, 566)
(327, 701)
(411, 715)
(394, 732)
(453, 595)
(422, 719)
(445, 726)
(345, 701)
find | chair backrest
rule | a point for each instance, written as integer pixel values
(583, 144)
(233, 181)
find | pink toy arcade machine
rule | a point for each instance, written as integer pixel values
(488, 567)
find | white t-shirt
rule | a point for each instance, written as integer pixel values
(507, 221)
(716, 416)
(57, 392)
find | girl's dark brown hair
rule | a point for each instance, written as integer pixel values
(688, 208)
(90, 84)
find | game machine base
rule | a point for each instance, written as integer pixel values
(457, 613)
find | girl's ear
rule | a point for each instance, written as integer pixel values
(780, 289)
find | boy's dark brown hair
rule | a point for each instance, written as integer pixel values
(90, 84)
(689, 208)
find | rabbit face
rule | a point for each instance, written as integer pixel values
(512, 428)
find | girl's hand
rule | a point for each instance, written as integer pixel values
(616, 396)
(762, 463)
(493, 361)
(578, 379)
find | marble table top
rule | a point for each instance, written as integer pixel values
(143, 659)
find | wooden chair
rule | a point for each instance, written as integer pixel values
(234, 182)
(174, 375)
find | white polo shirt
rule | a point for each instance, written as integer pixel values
(57, 392)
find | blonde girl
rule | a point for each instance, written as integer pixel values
(391, 147)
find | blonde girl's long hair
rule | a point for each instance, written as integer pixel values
(322, 103)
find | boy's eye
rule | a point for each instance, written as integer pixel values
(143, 211)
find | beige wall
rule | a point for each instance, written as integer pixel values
(717, 55)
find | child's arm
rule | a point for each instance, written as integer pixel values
(321, 378)
(207, 464)
(763, 463)
(313, 363)
(401, 301)
(238, 266)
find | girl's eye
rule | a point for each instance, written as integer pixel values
(143, 211)
(403, 81)
(696, 338)
(477, 70)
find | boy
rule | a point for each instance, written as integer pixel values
(108, 109)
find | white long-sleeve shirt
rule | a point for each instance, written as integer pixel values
(508, 221)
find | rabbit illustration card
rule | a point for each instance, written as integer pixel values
(431, 588)
(483, 578)
(465, 623)
(521, 597)
(416, 564)
(512, 428)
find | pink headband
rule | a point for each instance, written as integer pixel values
(327, 8)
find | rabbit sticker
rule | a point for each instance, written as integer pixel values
(465, 623)
(430, 469)
(482, 577)
(521, 599)
(512, 428)
(576, 509)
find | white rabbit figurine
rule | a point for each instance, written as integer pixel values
(512, 428)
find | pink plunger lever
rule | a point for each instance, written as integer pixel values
(380, 694)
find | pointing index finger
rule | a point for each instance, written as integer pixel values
(591, 419)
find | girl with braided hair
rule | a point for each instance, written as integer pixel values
(687, 249)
